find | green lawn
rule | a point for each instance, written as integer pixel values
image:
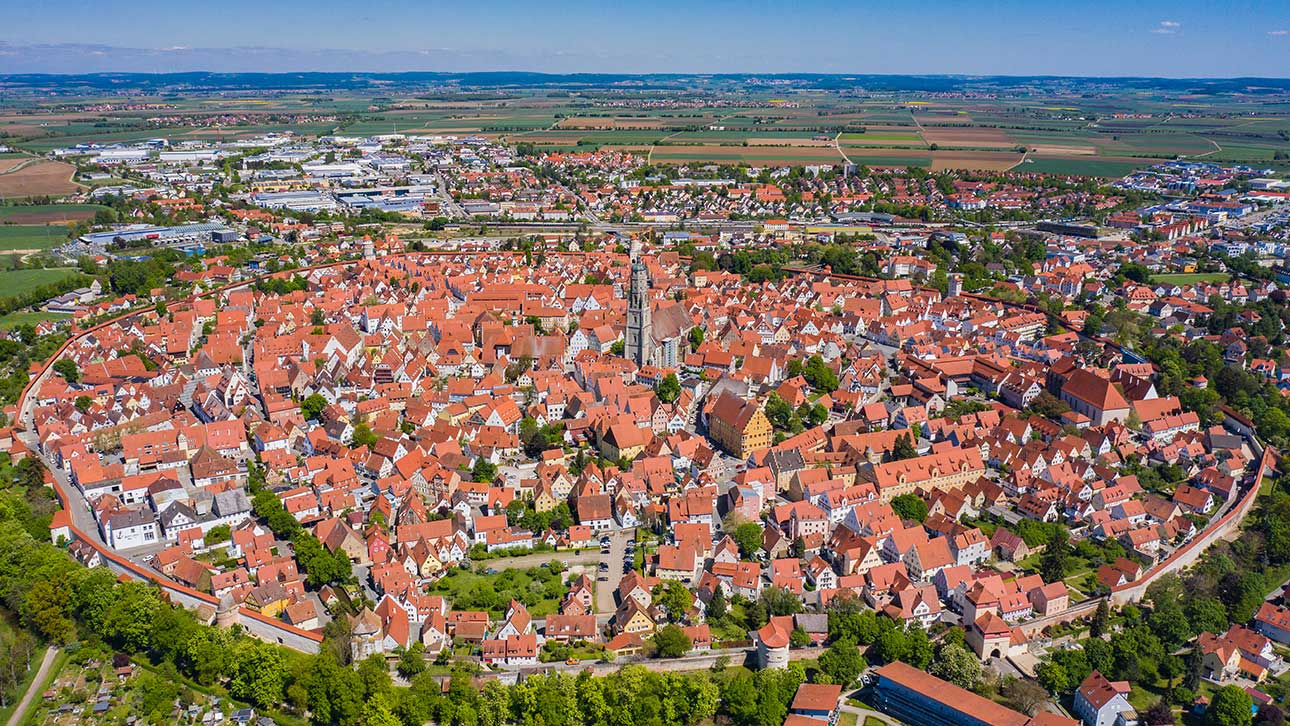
(537, 587)
(14, 319)
(17, 282)
(31, 236)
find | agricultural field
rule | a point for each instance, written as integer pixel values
(617, 122)
(883, 136)
(1082, 165)
(1105, 135)
(48, 213)
(975, 160)
(37, 178)
(968, 137)
(31, 237)
(880, 158)
(751, 155)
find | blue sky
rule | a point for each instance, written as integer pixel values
(1180, 38)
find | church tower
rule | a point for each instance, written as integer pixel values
(640, 339)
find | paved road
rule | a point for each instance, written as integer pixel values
(37, 683)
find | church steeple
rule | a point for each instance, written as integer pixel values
(640, 340)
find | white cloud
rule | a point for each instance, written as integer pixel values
(1278, 32)
(1167, 27)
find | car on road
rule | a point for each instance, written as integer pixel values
(604, 566)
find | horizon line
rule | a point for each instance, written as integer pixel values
(646, 74)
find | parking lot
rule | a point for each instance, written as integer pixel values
(611, 569)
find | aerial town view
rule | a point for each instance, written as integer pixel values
(417, 366)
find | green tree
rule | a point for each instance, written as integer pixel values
(364, 436)
(1053, 561)
(696, 338)
(1230, 706)
(910, 507)
(668, 389)
(819, 375)
(842, 662)
(674, 598)
(66, 367)
(260, 674)
(484, 470)
(412, 661)
(779, 601)
(919, 653)
(748, 535)
(891, 645)
(904, 448)
(671, 642)
(717, 607)
(1097, 627)
(955, 664)
(312, 407)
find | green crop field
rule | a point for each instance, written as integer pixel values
(1083, 166)
(31, 236)
(884, 136)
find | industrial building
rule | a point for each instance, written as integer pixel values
(179, 236)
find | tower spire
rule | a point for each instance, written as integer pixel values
(640, 340)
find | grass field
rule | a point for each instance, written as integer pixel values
(17, 282)
(31, 236)
(13, 320)
(1188, 278)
